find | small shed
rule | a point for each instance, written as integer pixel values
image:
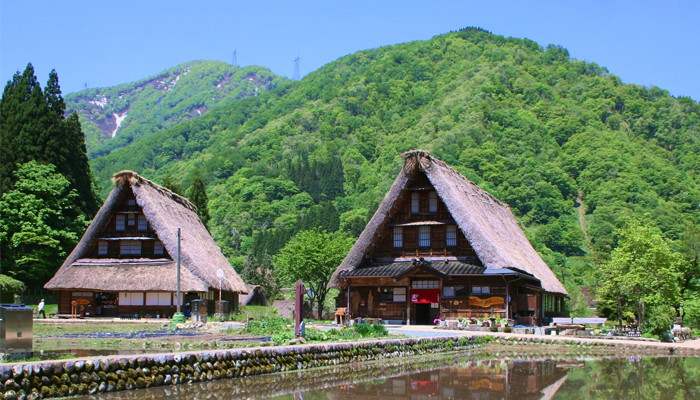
(255, 297)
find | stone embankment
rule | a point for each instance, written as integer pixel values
(94, 376)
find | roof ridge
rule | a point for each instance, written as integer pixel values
(134, 178)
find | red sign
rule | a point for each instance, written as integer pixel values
(425, 296)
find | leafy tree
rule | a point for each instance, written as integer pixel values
(41, 223)
(311, 257)
(198, 197)
(34, 127)
(644, 269)
(260, 273)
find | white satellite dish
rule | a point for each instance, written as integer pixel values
(220, 273)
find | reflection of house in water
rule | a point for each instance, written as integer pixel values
(475, 380)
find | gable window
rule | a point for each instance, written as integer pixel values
(423, 236)
(131, 219)
(102, 247)
(130, 247)
(143, 222)
(433, 202)
(481, 290)
(415, 202)
(121, 222)
(132, 202)
(158, 248)
(451, 236)
(398, 236)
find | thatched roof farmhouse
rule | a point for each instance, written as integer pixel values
(451, 241)
(126, 260)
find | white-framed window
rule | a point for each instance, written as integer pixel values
(433, 202)
(102, 247)
(131, 219)
(130, 298)
(399, 294)
(130, 247)
(398, 236)
(415, 202)
(451, 236)
(158, 248)
(425, 284)
(143, 222)
(121, 222)
(424, 236)
(158, 299)
(481, 290)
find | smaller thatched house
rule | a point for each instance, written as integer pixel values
(441, 247)
(255, 297)
(125, 262)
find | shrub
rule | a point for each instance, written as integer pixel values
(507, 329)
(267, 325)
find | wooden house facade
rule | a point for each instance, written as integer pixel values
(126, 261)
(441, 247)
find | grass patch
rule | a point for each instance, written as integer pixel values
(254, 312)
(49, 308)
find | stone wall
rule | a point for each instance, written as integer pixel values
(93, 376)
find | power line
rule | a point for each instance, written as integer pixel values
(297, 74)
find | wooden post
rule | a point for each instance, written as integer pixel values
(299, 309)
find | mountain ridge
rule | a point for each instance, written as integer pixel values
(533, 126)
(186, 91)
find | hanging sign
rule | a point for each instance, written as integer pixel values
(425, 296)
(486, 303)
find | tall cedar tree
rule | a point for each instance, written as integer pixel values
(198, 197)
(33, 125)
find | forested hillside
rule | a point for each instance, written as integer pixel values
(114, 117)
(573, 150)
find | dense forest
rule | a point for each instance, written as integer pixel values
(573, 150)
(113, 117)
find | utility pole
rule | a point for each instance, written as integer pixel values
(297, 74)
(235, 59)
(178, 317)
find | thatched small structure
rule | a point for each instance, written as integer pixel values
(151, 268)
(255, 297)
(437, 225)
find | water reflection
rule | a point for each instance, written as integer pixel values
(458, 377)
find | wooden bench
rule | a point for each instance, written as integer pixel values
(341, 316)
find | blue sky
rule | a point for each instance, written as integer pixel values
(106, 42)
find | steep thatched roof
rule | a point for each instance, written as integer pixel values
(487, 223)
(165, 211)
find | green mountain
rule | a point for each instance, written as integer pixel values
(116, 116)
(572, 149)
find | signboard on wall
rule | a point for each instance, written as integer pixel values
(425, 296)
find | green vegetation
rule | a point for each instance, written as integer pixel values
(158, 102)
(85, 328)
(312, 257)
(572, 149)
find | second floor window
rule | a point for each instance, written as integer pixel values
(121, 222)
(131, 219)
(423, 236)
(451, 236)
(158, 248)
(415, 202)
(398, 236)
(130, 247)
(433, 202)
(102, 247)
(143, 223)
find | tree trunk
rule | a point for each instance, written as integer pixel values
(619, 310)
(321, 300)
